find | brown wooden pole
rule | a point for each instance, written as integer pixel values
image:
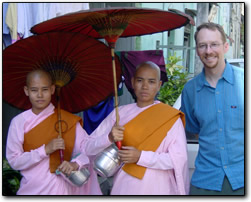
(115, 86)
(61, 152)
(115, 91)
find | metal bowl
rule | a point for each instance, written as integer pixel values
(107, 162)
(78, 177)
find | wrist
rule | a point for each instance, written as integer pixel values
(110, 137)
(46, 150)
(139, 154)
(75, 165)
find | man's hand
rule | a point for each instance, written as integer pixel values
(54, 145)
(116, 134)
(129, 154)
(67, 167)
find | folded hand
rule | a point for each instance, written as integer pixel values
(129, 154)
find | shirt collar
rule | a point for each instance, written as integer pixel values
(227, 75)
(49, 109)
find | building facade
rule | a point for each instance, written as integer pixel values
(181, 41)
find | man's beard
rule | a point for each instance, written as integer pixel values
(210, 65)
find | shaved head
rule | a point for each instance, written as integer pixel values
(38, 73)
(148, 64)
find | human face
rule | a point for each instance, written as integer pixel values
(146, 84)
(212, 55)
(39, 91)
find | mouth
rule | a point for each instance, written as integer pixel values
(144, 94)
(40, 101)
(210, 58)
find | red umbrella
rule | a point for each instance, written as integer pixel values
(79, 64)
(112, 23)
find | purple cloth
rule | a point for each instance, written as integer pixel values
(131, 59)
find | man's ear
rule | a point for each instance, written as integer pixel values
(53, 87)
(26, 91)
(226, 47)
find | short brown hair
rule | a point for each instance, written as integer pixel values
(211, 26)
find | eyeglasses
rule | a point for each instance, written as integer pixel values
(213, 46)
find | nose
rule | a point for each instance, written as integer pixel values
(209, 49)
(145, 85)
(39, 94)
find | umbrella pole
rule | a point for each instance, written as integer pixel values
(115, 92)
(61, 152)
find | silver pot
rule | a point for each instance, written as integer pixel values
(78, 177)
(107, 162)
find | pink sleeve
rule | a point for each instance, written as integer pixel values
(178, 155)
(81, 158)
(17, 158)
(98, 140)
(155, 160)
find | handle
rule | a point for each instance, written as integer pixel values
(61, 152)
(119, 143)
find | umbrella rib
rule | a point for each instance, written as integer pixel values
(139, 22)
(89, 88)
(80, 63)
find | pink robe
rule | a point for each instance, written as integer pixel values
(167, 169)
(34, 165)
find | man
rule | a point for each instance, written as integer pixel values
(33, 146)
(154, 152)
(213, 103)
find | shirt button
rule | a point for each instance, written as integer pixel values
(217, 92)
(222, 148)
(219, 111)
(225, 166)
(220, 129)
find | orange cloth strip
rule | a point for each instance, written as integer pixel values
(147, 130)
(44, 132)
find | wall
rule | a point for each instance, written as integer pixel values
(225, 15)
(176, 37)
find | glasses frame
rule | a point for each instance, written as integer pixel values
(213, 46)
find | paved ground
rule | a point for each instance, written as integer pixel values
(105, 184)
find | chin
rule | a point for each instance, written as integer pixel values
(210, 65)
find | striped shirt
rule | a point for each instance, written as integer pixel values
(217, 115)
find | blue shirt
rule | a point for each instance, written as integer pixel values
(217, 115)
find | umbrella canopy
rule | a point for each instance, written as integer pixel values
(112, 23)
(80, 65)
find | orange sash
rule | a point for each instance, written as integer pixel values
(44, 132)
(147, 130)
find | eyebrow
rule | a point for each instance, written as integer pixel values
(37, 87)
(209, 42)
(138, 77)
